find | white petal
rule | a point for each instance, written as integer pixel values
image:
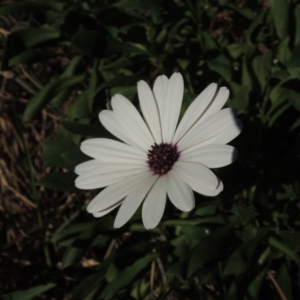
(104, 174)
(116, 192)
(86, 166)
(211, 156)
(160, 90)
(112, 123)
(107, 150)
(131, 121)
(180, 194)
(218, 102)
(172, 106)
(230, 131)
(195, 111)
(106, 211)
(150, 110)
(154, 205)
(198, 177)
(133, 201)
(219, 188)
(206, 129)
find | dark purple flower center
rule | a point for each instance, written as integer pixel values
(161, 158)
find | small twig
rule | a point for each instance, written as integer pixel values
(21, 197)
(162, 270)
(110, 249)
(12, 75)
(152, 275)
(4, 32)
(276, 285)
(27, 75)
(3, 85)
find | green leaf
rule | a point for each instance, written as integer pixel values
(64, 182)
(19, 8)
(84, 129)
(284, 279)
(141, 289)
(207, 249)
(72, 66)
(53, 149)
(284, 52)
(291, 89)
(258, 22)
(294, 61)
(221, 65)
(94, 82)
(280, 75)
(35, 36)
(203, 252)
(71, 255)
(293, 127)
(208, 210)
(58, 100)
(75, 157)
(291, 239)
(284, 249)
(297, 24)
(13, 46)
(262, 67)
(193, 222)
(122, 62)
(28, 294)
(27, 7)
(127, 91)
(247, 79)
(80, 107)
(296, 185)
(244, 213)
(277, 96)
(92, 283)
(236, 263)
(61, 85)
(100, 240)
(245, 255)
(66, 236)
(52, 89)
(244, 11)
(280, 13)
(90, 42)
(253, 290)
(31, 55)
(119, 81)
(240, 99)
(151, 7)
(173, 32)
(235, 50)
(115, 47)
(127, 276)
(209, 43)
(181, 246)
(193, 234)
(175, 270)
(78, 247)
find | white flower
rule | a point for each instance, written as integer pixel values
(157, 159)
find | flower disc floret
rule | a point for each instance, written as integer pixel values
(162, 157)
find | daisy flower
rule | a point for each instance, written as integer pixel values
(155, 159)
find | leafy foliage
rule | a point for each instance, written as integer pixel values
(226, 248)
